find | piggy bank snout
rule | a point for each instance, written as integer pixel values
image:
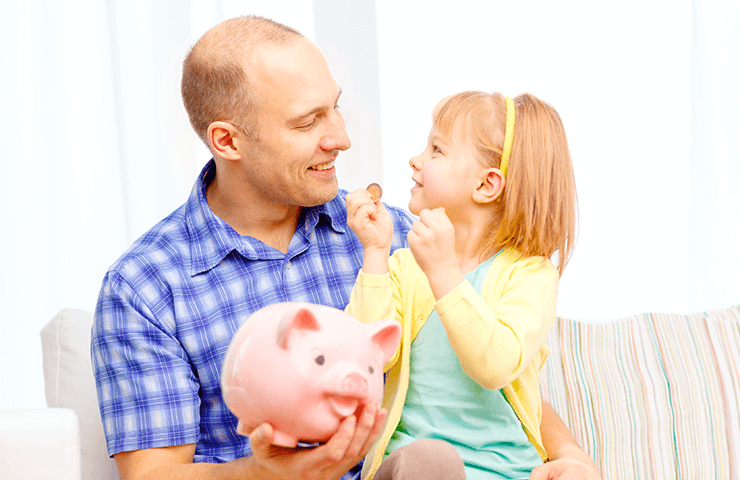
(354, 385)
(351, 392)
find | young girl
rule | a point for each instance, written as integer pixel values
(475, 291)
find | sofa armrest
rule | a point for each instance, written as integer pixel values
(69, 383)
(40, 444)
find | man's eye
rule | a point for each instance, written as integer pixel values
(308, 125)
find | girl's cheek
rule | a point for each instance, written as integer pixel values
(430, 178)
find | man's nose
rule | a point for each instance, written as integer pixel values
(336, 137)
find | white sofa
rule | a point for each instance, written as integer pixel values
(651, 396)
(69, 384)
(40, 444)
(648, 397)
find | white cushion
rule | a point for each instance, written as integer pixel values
(651, 396)
(39, 444)
(70, 384)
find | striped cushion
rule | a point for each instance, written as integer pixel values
(651, 396)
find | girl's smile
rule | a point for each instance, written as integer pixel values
(444, 175)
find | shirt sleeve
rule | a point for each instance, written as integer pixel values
(498, 334)
(372, 299)
(376, 297)
(147, 391)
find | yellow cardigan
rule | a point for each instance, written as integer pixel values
(498, 335)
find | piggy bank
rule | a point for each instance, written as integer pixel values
(303, 368)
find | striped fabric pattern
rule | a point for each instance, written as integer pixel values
(651, 396)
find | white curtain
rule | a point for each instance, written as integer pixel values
(621, 83)
(714, 213)
(98, 147)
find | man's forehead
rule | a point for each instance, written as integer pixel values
(296, 80)
(303, 109)
(273, 62)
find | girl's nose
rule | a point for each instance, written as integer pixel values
(415, 163)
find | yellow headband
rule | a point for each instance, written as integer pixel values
(508, 135)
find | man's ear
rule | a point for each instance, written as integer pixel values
(224, 139)
(490, 186)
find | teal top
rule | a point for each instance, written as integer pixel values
(443, 402)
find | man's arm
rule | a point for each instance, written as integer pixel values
(327, 462)
(567, 460)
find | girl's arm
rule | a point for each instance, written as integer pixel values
(432, 242)
(373, 226)
(371, 297)
(496, 335)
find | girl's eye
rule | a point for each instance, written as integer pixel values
(435, 149)
(319, 360)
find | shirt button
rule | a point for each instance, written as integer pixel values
(287, 266)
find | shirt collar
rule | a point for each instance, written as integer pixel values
(212, 239)
(334, 213)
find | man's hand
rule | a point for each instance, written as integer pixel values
(329, 461)
(568, 461)
(566, 469)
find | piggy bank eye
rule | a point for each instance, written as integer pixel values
(371, 369)
(319, 360)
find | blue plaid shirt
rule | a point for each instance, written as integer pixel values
(170, 305)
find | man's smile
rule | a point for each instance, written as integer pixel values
(323, 166)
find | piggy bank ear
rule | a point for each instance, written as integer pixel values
(387, 335)
(296, 320)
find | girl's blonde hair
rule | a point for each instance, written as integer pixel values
(538, 208)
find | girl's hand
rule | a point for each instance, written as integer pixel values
(432, 242)
(370, 220)
(373, 226)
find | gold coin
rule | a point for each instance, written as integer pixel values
(375, 191)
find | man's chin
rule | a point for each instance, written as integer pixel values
(321, 197)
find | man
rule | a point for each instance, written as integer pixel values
(264, 224)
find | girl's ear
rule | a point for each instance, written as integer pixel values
(223, 138)
(490, 186)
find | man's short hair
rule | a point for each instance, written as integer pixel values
(215, 85)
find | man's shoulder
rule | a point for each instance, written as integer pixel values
(166, 245)
(401, 213)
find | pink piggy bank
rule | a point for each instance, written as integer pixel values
(302, 368)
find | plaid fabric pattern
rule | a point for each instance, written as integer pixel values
(170, 305)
